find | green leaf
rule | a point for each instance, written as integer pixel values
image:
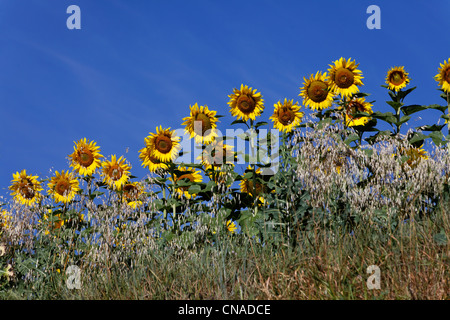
(373, 138)
(248, 175)
(417, 137)
(402, 120)
(194, 189)
(95, 194)
(395, 105)
(402, 94)
(437, 137)
(261, 123)
(407, 110)
(386, 116)
(351, 138)
(434, 127)
(322, 123)
(442, 109)
(238, 121)
(368, 152)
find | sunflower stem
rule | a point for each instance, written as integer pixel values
(448, 120)
(174, 207)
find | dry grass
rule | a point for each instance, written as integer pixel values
(413, 266)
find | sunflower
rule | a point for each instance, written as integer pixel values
(286, 115)
(357, 105)
(246, 103)
(25, 188)
(164, 144)
(201, 124)
(215, 158)
(51, 224)
(115, 172)
(443, 77)
(63, 186)
(247, 186)
(189, 173)
(149, 160)
(216, 154)
(331, 162)
(414, 155)
(132, 193)
(231, 226)
(397, 78)
(316, 91)
(345, 77)
(5, 220)
(86, 157)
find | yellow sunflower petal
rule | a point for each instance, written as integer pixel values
(245, 103)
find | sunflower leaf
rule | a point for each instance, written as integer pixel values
(407, 110)
(395, 105)
(402, 94)
(386, 116)
(238, 121)
(435, 106)
(417, 138)
(437, 137)
(434, 127)
(402, 120)
(351, 138)
(261, 123)
(194, 189)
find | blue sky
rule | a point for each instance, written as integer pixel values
(138, 64)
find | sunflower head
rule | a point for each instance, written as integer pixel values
(231, 226)
(248, 186)
(354, 106)
(5, 220)
(25, 188)
(397, 78)
(63, 186)
(414, 155)
(245, 103)
(201, 124)
(345, 77)
(216, 154)
(132, 193)
(115, 172)
(316, 91)
(188, 173)
(286, 115)
(163, 144)
(51, 222)
(148, 158)
(85, 158)
(443, 77)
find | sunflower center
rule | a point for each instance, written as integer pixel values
(186, 176)
(163, 144)
(115, 172)
(286, 116)
(206, 123)
(396, 78)
(317, 91)
(344, 78)
(257, 189)
(86, 157)
(130, 191)
(26, 190)
(354, 107)
(447, 75)
(246, 104)
(62, 187)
